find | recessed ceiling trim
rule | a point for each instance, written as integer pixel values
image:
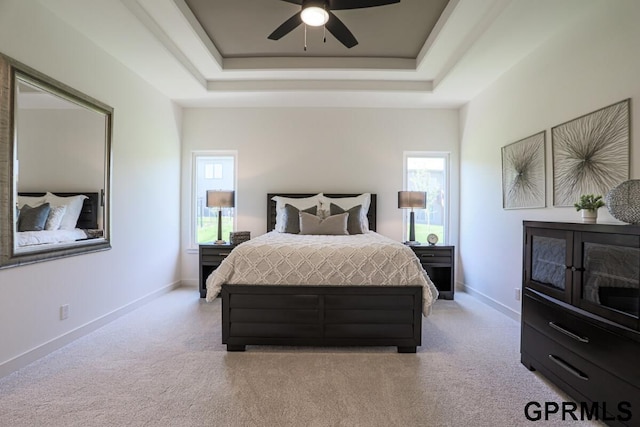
(321, 85)
(231, 64)
(199, 32)
(149, 22)
(436, 33)
(482, 18)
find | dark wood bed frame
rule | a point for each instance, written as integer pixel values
(321, 315)
(88, 219)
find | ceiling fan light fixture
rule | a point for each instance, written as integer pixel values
(314, 16)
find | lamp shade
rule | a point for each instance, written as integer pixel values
(220, 199)
(412, 199)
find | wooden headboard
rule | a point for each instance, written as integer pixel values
(271, 206)
(88, 219)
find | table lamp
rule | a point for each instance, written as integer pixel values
(411, 200)
(220, 199)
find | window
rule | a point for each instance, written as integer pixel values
(425, 171)
(214, 170)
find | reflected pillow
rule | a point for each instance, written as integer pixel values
(33, 219)
(74, 207)
(56, 214)
(347, 203)
(354, 223)
(32, 201)
(299, 203)
(292, 217)
(333, 225)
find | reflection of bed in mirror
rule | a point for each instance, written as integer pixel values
(56, 229)
(52, 137)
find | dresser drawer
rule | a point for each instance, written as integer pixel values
(611, 351)
(584, 377)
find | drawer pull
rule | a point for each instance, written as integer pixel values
(568, 333)
(428, 255)
(564, 365)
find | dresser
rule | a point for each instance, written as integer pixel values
(439, 263)
(210, 258)
(580, 314)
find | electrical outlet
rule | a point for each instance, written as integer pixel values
(64, 311)
(517, 294)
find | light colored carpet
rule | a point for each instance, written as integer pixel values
(164, 365)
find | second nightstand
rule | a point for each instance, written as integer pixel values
(210, 258)
(439, 263)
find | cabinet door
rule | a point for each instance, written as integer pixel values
(547, 262)
(607, 276)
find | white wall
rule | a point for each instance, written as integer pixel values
(145, 195)
(69, 140)
(309, 150)
(591, 65)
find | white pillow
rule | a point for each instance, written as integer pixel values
(72, 213)
(347, 203)
(33, 201)
(56, 214)
(298, 203)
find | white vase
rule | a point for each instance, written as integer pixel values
(589, 216)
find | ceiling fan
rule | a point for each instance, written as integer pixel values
(316, 13)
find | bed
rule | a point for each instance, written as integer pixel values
(86, 226)
(341, 309)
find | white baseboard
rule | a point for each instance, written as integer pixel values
(190, 282)
(36, 353)
(491, 302)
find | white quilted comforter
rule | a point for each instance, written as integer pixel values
(291, 259)
(28, 238)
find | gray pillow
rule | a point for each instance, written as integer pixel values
(354, 226)
(33, 219)
(333, 225)
(292, 217)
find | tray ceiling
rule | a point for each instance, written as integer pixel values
(239, 29)
(414, 54)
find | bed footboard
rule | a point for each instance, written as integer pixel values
(322, 316)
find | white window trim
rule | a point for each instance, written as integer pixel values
(447, 181)
(193, 245)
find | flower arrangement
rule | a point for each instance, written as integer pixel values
(589, 202)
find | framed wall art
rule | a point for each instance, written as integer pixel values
(590, 153)
(523, 173)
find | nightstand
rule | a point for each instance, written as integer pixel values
(439, 262)
(210, 258)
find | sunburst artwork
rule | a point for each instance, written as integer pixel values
(590, 153)
(523, 173)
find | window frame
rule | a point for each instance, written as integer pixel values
(195, 155)
(446, 185)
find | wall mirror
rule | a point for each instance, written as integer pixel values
(55, 163)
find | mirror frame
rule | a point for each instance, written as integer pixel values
(9, 68)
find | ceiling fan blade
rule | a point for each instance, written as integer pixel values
(288, 26)
(357, 4)
(340, 31)
(294, 1)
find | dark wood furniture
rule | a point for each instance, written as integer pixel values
(210, 258)
(439, 263)
(580, 314)
(321, 315)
